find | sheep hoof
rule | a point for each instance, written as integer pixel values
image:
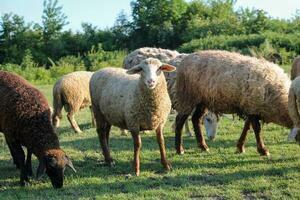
(204, 148)
(168, 166)
(78, 131)
(240, 150)
(263, 152)
(25, 183)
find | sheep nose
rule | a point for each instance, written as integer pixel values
(151, 82)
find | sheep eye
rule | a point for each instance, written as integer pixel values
(158, 72)
(208, 120)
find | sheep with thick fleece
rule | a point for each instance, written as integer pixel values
(25, 121)
(295, 71)
(135, 100)
(226, 82)
(174, 58)
(294, 109)
(72, 92)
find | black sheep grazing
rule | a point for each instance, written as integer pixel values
(25, 121)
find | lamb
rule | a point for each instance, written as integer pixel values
(226, 82)
(131, 101)
(71, 91)
(294, 109)
(295, 71)
(25, 121)
(174, 58)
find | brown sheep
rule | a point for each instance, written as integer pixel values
(25, 121)
(228, 83)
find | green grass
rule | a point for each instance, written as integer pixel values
(219, 174)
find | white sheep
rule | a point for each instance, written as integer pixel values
(135, 100)
(174, 58)
(294, 109)
(72, 92)
(229, 83)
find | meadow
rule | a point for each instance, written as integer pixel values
(218, 174)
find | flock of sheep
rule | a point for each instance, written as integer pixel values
(140, 96)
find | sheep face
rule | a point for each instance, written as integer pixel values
(211, 123)
(54, 164)
(150, 69)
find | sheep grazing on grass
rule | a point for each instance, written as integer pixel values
(294, 109)
(135, 100)
(72, 92)
(174, 58)
(295, 71)
(227, 82)
(25, 121)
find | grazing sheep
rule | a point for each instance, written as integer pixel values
(174, 58)
(294, 109)
(72, 92)
(295, 71)
(226, 82)
(135, 100)
(25, 121)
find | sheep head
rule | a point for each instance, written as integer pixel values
(53, 163)
(150, 69)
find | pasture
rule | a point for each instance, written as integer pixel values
(219, 174)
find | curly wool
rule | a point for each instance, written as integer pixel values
(226, 82)
(135, 57)
(125, 101)
(72, 91)
(25, 115)
(294, 101)
(295, 71)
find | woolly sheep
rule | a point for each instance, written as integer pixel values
(174, 58)
(295, 71)
(226, 82)
(25, 121)
(71, 91)
(135, 100)
(294, 109)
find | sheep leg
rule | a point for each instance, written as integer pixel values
(28, 164)
(261, 148)
(137, 146)
(24, 180)
(56, 117)
(93, 117)
(197, 115)
(73, 122)
(102, 129)
(13, 154)
(187, 128)
(180, 120)
(162, 149)
(241, 142)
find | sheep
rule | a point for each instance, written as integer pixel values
(25, 121)
(295, 71)
(135, 100)
(294, 109)
(226, 82)
(174, 58)
(71, 91)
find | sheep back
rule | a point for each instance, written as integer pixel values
(73, 89)
(228, 82)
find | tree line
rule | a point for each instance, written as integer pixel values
(172, 24)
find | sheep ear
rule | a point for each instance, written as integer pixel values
(70, 164)
(41, 170)
(167, 68)
(134, 70)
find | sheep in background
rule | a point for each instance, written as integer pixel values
(228, 83)
(174, 58)
(135, 100)
(25, 120)
(71, 91)
(294, 109)
(295, 71)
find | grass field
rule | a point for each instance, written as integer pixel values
(219, 174)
